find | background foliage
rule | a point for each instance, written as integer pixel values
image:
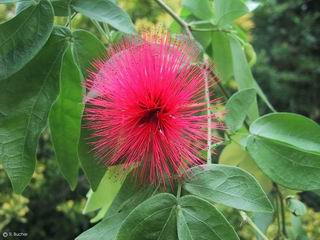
(285, 63)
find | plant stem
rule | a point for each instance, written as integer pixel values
(282, 210)
(209, 137)
(210, 30)
(106, 29)
(179, 20)
(100, 29)
(276, 200)
(248, 220)
(179, 189)
(69, 20)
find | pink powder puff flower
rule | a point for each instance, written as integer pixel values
(147, 106)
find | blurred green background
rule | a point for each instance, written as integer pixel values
(285, 35)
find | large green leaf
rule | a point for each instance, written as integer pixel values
(242, 74)
(228, 185)
(201, 9)
(237, 108)
(229, 10)
(153, 219)
(25, 101)
(61, 7)
(128, 198)
(107, 229)
(221, 54)
(87, 48)
(65, 119)
(290, 129)
(23, 36)
(92, 166)
(199, 219)
(287, 166)
(105, 11)
(286, 147)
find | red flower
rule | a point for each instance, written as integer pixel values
(147, 107)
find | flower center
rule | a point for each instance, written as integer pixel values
(150, 115)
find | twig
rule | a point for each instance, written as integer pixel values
(248, 220)
(179, 20)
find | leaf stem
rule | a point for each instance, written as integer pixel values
(100, 29)
(70, 18)
(248, 220)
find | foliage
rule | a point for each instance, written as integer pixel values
(43, 65)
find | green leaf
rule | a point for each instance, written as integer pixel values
(25, 101)
(286, 147)
(201, 9)
(233, 154)
(242, 74)
(286, 166)
(106, 191)
(290, 129)
(228, 185)
(204, 38)
(295, 206)
(65, 117)
(87, 48)
(92, 167)
(107, 229)
(105, 11)
(128, 198)
(61, 8)
(22, 5)
(199, 219)
(23, 36)
(229, 10)
(221, 54)
(263, 97)
(130, 195)
(237, 108)
(153, 219)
